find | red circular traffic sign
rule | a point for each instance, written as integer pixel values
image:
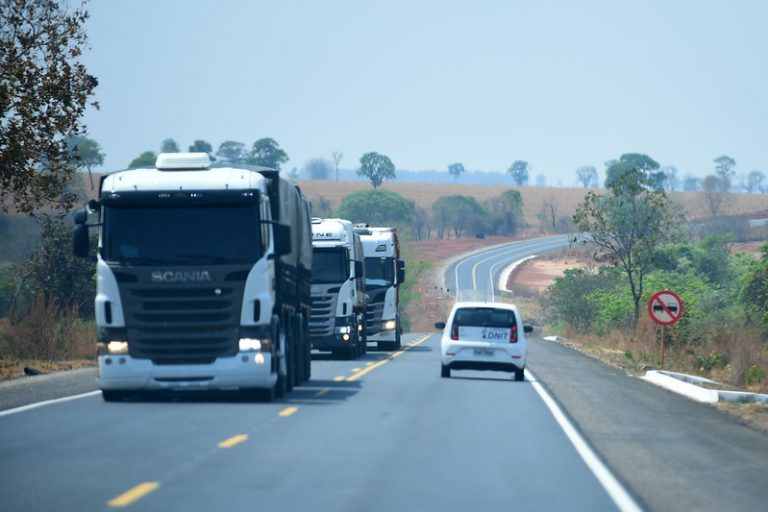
(665, 307)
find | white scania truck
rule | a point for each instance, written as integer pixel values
(384, 273)
(203, 279)
(337, 322)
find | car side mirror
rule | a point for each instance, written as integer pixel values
(440, 325)
(527, 328)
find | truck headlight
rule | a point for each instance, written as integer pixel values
(343, 329)
(388, 325)
(117, 347)
(254, 344)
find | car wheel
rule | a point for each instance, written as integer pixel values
(520, 375)
(445, 371)
(113, 395)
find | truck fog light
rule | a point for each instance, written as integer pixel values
(117, 347)
(258, 358)
(345, 337)
(389, 325)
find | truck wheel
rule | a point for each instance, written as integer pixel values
(363, 339)
(113, 395)
(307, 347)
(280, 384)
(398, 345)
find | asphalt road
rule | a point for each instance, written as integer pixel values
(384, 432)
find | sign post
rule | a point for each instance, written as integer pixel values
(665, 308)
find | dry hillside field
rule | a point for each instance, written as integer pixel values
(566, 199)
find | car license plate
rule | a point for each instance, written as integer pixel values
(483, 352)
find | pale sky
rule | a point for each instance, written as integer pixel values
(559, 84)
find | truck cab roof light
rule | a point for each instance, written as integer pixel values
(182, 161)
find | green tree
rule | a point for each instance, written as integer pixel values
(201, 146)
(460, 214)
(44, 91)
(85, 155)
(377, 208)
(645, 168)
(266, 152)
(376, 168)
(169, 146)
(519, 172)
(725, 170)
(456, 170)
(146, 159)
(231, 151)
(626, 225)
(754, 295)
(505, 213)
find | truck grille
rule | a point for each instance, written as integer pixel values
(323, 315)
(374, 312)
(184, 323)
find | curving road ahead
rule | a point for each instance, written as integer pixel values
(383, 433)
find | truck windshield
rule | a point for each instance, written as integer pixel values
(180, 235)
(379, 272)
(330, 266)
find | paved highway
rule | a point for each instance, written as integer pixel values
(384, 432)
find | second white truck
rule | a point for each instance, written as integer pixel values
(337, 321)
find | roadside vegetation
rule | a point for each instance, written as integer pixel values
(640, 244)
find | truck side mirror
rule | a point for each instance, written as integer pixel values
(282, 234)
(80, 242)
(359, 269)
(400, 271)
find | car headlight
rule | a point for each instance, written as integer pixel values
(254, 344)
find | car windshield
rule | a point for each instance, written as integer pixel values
(379, 272)
(484, 317)
(329, 266)
(139, 235)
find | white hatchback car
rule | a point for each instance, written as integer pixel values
(483, 336)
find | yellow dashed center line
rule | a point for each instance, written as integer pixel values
(232, 441)
(133, 495)
(387, 359)
(288, 411)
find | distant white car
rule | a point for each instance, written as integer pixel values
(483, 336)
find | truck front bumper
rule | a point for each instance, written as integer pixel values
(244, 370)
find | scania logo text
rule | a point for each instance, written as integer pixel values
(181, 276)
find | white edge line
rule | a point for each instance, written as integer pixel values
(504, 277)
(615, 490)
(36, 405)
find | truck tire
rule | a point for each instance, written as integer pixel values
(280, 384)
(363, 339)
(398, 344)
(304, 328)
